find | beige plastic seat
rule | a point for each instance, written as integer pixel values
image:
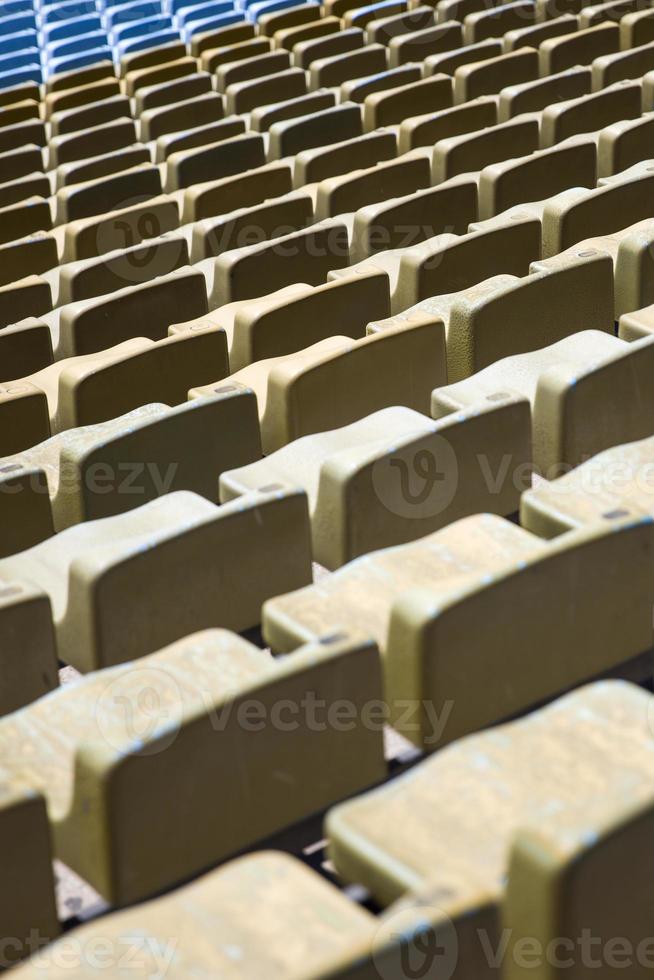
(159, 56)
(329, 72)
(303, 256)
(105, 194)
(450, 263)
(79, 76)
(336, 935)
(623, 144)
(537, 176)
(87, 116)
(417, 45)
(189, 114)
(429, 128)
(305, 13)
(296, 317)
(391, 107)
(143, 310)
(637, 324)
(577, 214)
(223, 159)
(222, 196)
(404, 221)
(237, 229)
(245, 96)
(319, 129)
(449, 61)
(578, 48)
(24, 218)
(395, 475)
(532, 854)
(364, 14)
(223, 54)
(97, 387)
(171, 92)
(615, 481)
(29, 297)
(100, 166)
(27, 899)
(590, 112)
(425, 602)
(305, 53)
(138, 78)
(28, 657)
(21, 162)
(29, 133)
(127, 226)
(74, 281)
(498, 20)
(632, 252)
(581, 391)
(25, 348)
(101, 470)
(534, 96)
(474, 151)
(188, 139)
(115, 583)
(507, 315)
(636, 29)
(389, 179)
(208, 675)
(293, 391)
(358, 153)
(222, 36)
(251, 67)
(612, 68)
(288, 37)
(14, 191)
(94, 141)
(264, 116)
(492, 75)
(78, 95)
(533, 35)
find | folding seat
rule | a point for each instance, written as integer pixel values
(534, 35)
(623, 144)
(404, 221)
(80, 95)
(212, 58)
(357, 89)
(318, 48)
(498, 20)
(107, 469)
(302, 256)
(296, 317)
(636, 29)
(19, 112)
(578, 48)
(339, 68)
(25, 347)
(385, 29)
(209, 674)
(186, 168)
(19, 135)
(291, 390)
(450, 263)
(373, 484)
(577, 214)
(171, 92)
(242, 190)
(247, 226)
(251, 67)
(492, 75)
(489, 855)
(426, 602)
(590, 112)
(201, 110)
(155, 56)
(421, 44)
(90, 115)
(474, 151)
(448, 62)
(534, 96)
(230, 34)
(188, 139)
(581, 391)
(20, 92)
(97, 387)
(138, 78)
(27, 898)
(242, 97)
(614, 10)
(429, 128)
(21, 162)
(26, 297)
(15, 191)
(288, 37)
(298, 16)
(106, 194)
(24, 218)
(108, 137)
(390, 107)
(389, 179)
(362, 15)
(288, 890)
(612, 68)
(572, 163)
(264, 116)
(357, 153)
(80, 77)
